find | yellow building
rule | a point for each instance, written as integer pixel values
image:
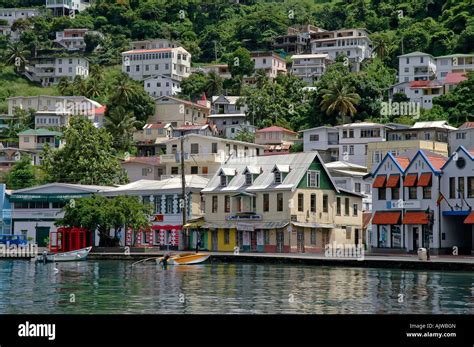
(280, 203)
(177, 112)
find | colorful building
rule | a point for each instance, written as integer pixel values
(281, 203)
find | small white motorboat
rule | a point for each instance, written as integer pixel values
(79, 254)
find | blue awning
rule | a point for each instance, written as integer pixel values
(456, 213)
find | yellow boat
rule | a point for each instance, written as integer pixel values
(186, 258)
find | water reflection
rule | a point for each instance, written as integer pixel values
(117, 287)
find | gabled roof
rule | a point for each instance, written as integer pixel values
(415, 54)
(275, 128)
(469, 153)
(434, 161)
(455, 77)
(143, 160)
(63, 188)
(154, 126)
(171, 183)
(442, 124)
(298, 162)
(425, 84)
(41, 132)
(180, 101)
(254, 170)
(390, 156)
(231, 100)
(466, 125)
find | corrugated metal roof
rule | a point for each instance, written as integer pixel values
(172, 183)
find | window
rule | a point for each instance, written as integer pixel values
(313, 236)
(174, 170)
(470, 187)
(266, 203)
(227, 204)
(145, 171)
(395, 193)
(300, 202)
(214, 148)
(412, 193)
(223, 180)
(313, 179)
(351, 150)
(214, 204)
(461, 190)
(277, 177)
(452, 187)
(346, 207)
(226, 236)
(325, 203)
(248, 178)
(194, 170)
(338, 206)
(382, 193)
(313, 138)
(355, 209)
(279, 202)
(426, 192)
(266, 237)
(313, 203)
(194, 148)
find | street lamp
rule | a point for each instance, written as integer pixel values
(430, 214)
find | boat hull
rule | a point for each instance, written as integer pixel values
(77, 255)
(187, 259)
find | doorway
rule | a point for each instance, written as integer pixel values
(356, 235)
(214, 241)
(280, 236)
(300, 241)
(41, 234)
(416, 244)
(253, 241)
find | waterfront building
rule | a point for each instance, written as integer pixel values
(36, 209)
(281, 203)
(456, 203)
(48, 69)
(309, 67)
(355, 44)
(177, 112)
(173, 62)
(204, 154)
(277, 140)
(160, 85)
(166, 197)
(6, 210)
(405, 194)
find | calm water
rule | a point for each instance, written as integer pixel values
(117, 287)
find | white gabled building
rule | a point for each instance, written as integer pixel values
(161, 85)
(353, 43)
(309, 67)
(143, 63)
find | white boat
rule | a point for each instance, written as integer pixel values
(186, 258)
(79, 254)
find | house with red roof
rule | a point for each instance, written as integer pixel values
(143, 168)
(406, 189)
(277, 140)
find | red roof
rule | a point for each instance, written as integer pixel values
(437, 161)
(275, 128)
(387, 217)
(415, 218)
(403, 161)
(144, 160)
(469, 219)
(149, 50)
(100, 110)
(467, 125)
(419, 84)
(455, 77)
(366, 218)
(154, 126)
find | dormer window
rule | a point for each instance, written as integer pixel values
(248, 179)
(226, 175)
(280, 172)
(251, 172)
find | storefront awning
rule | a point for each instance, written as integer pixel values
(410, 180)
(393, 181)
(425, 179)
(271, 225)
(313, 225)
(412, 217)
(379, 181)
(469, 219)
(196, 224)
(387, 217)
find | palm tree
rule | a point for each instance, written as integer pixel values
(97, 72)
(340, 98)
(125, 91)
(16, 55)
(121, 125)
(213, 84)
(79, 85)
(64, 86)
(382, 46)
(93, 88)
